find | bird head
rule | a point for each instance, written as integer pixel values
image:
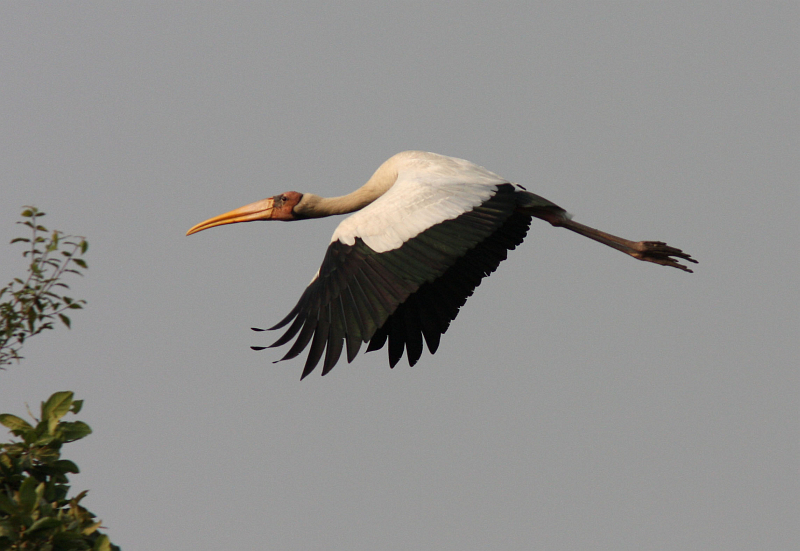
(279, 207)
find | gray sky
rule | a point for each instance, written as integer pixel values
(581, 400)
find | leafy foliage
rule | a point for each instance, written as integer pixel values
(35, 512)
(35, 303)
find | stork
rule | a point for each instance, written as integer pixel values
(426, 230)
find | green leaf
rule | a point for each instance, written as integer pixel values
(27, 213)
(27, 495)
(76, 406)
(65, 466)
(20, 239)
(84, 246)
(57, 405)
(5, 460)
(46, 454)
(65, 320)
(80, 262)
(8, 505)
(14, 423)
(76, 430)
(102, 543)
(44, 524)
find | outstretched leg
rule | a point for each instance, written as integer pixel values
(649, 251)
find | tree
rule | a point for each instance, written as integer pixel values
(33, 304)
(35, 510)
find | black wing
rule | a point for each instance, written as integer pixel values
(403, 295)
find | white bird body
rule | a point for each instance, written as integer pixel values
(426, 229)
(417, 191)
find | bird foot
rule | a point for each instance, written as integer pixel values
(661, 253)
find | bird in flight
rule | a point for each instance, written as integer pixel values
(425, 230)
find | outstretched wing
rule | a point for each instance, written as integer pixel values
(405, 294)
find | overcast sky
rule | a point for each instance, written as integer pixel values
(581, 400)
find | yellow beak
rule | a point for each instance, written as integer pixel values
(260, 210)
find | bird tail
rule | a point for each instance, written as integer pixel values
(539, 207)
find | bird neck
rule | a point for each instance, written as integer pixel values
(314, 206)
